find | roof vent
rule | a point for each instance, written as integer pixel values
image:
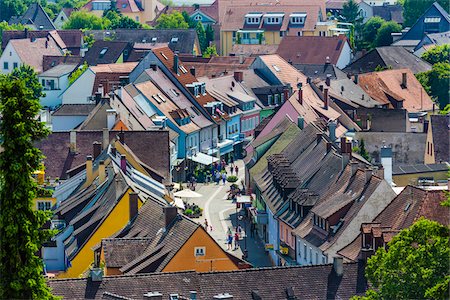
(174, 297)
(154, 39)
(96, 274)
(223, 296)
(153, 296)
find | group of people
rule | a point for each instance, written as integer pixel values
(230, 238)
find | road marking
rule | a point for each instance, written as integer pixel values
(206, 210)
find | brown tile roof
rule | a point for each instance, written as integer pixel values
(285, 72)
(151, 147)
(120, 251)
(166, 56)
(32, 53)
(234, 15)
(253, 50)
(50, 61)
(311, 49)
(124, 6)
(108, 75)
(382, 85)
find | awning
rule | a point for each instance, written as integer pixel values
(203, 158)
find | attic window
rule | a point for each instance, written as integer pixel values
(183, 69)
(175, 93)
(407, 206)
(174, 40)
(276, 68)
(161, 97)
(432, 20)
(198, 18)
(103, 52)
(298, 18)
(163, 55)
(157, 99)
(124, 5)
(154, 40)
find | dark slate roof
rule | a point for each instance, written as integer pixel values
(321, 71)
(440, 126)
(106, 52)
(396, 57)
(419, 168)
(151, 147)
(74, 110)
(389, 12)
(53, 61)
(180, 40)
(313, 282)
(35, 15)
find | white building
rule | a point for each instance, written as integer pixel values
(54, 81)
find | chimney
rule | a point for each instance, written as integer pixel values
(343, 144)
(325, 98)
(363, 51)
(338, 265)
(318, 137)
(300, 122)
(354, 167)
(123, 163)
(101, 90)
(367, 174)
(134, 199)
(89, 173)
(404, 81)
(113, 151)
(348, 146)
(328, 80)
(124, 80)
(308, 80)
(98, 97)
(192, 295)
(73, 141)
(327, 60)
(110, 118)
(101, 172)
(176, 63)
(321, 87)
(170, 213)
(241, 58)
(192, 70)
(105, 141)
(386, 162)
(328, 147)
(96, 149)
(122, 136)
(355, 79)
(332, 130)
(154, 67)
(46, 44)
(300, 93)
(239, 76)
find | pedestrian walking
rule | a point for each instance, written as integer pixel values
(210, 227)
(229, 231)
(206, 224)
(236, 169)
(239, 230)
(224, 164)
(224, 178)
(230, 242)
(236, 241)
(218, 177)
(231, 170)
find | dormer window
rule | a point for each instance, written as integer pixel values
(203, 89)
(253, 18)
(298, 18)
(273, 18)
(198, 18)
(196, 91)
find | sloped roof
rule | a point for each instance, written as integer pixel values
(124, 6)
(389, 12)
(58, 71)
(253, 50)
(211, 10)
(74, 110)
(281, 69)
(311, 49)
(440, 126)
(105, 52)
(382, 85)
(35, 15)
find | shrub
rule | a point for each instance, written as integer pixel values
(188, 212)
(232, 178)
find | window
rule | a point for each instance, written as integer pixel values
(282, 33)
(269, 99)
(103, 52)
(137, 18)
(324, 261)
(317, 258)
(272, 20)
(322, 33)
(101, 5)
(196, 91)
(286, 239)
(15, 65)
(298, 20)
(199, 251)
(44, 205)
(310, 255)
(253, 20)
(203, 89)
(277, 96)
(305, 251)
(198, 18)
(300, 33)
(10, 53)
(5, 65)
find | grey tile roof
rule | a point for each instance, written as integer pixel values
(74, 110)
(314, 282)
(58, 71)
(106, 52)
(35, 15)
(440, 126)
(419, 168)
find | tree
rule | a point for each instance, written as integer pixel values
(350, 13)
(191, 23)
(209, 31)
(78, 72)
(436, 83)
(84, 20)
(20, 226)
(415, 266)
(370, 29)
(201, 36)
(362, 150)
(438, 54)
(28, 76)
(413, 9)
(210, 51)
(174, 20)
(10, 8)
(4, 26)
(384, 37)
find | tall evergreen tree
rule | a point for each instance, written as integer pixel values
(201, 36)
(20, 226)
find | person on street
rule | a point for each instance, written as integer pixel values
(206, 224)
(236, 169)
(231, 170)
(224, 178)
(218, 177)
(236, 241)
(229, 242)
(239, 230)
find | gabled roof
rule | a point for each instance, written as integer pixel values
(36, 16)
(74, 110)
(32, 52)
(124, 6)
(72, 39)
(108, 75)
(210, 10)
(311, 49)
(389, 56)
(321, 71)
(58, 71)
(440, 126)
(105, 52)
(389, 12)
(281, 69)
(253, 50)
(381, 86)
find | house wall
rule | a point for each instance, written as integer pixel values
(52, 97)
(404, 180)
(60, 19)
(232, 124)
(54, 257)
(215, 258)
(429, 157)
(64, 123)
(366, 11)
(206, 135)
(308, 254)
(345, 57)
(249, 123)
(116, 220)
(286, 235)
(79, 91)
(192, 140)
(10, 56)
(273, 236)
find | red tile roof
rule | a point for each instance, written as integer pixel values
(211, 10)
(311, 49)
(124, 6)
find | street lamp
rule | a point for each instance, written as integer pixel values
(245, 252)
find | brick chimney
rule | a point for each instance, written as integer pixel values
(300, 92)
(89, 171)
(134, 199)
(328, 80)
(325, 98)
(239, 76)
(96, 149)
(176, 63)
(192, 70)
(123, 163)
(73, 141)
(367, 175)
(404, 80)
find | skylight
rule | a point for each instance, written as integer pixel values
(163, 55)
(104, 50)
(276, 68)
(174, 40)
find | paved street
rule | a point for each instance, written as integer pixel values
(221, 214)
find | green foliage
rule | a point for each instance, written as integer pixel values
(28, 76)
(415, 266)
(232, 178)
(188, 212)
(191, 23)
(370, 29)
(383, 37)
(362, 150)
(41, 192)
(77, 73)
(380, 68)
(175, 20)
(210, 51)
(116, 20)
(9, 8)
(350, 13)
(20, 226)
(89, 40)
(438, 54)
(4, 26)
(201, 36)
(413, 9)
(436, 82)
(445, 111)
(84, 20)
(209, 33)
